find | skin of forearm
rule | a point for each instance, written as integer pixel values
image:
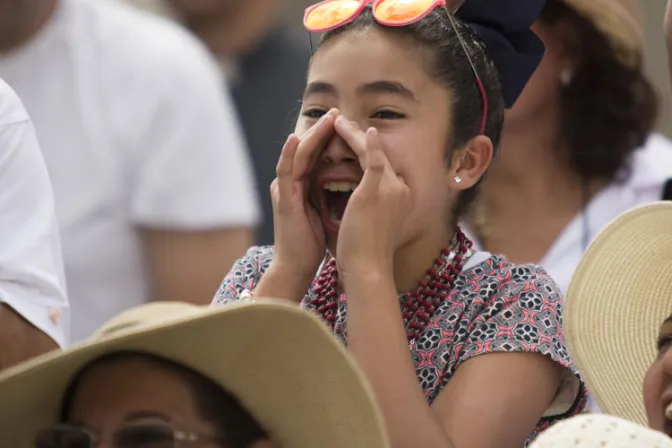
(279, 282)
(383, 354)
(19, 339)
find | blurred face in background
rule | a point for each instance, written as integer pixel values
(541, 97)
(14, 14)
(20, 19)
(204, 8)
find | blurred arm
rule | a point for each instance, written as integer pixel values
(19, 339)
(190, 266)
(194, 197)
(33, 303)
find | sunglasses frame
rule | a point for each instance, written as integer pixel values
(435, 4)
(362, 4)
(179, 436)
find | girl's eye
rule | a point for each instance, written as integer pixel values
(388, 115)
(313, 113)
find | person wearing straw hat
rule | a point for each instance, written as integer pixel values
(578, 147)
(600, 431)
(152, 377)
(618, 317)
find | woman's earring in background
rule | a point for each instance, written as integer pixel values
(457, 179)
(566, 76)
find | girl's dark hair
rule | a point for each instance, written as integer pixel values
(448, 64)
(236, 427)
(608, 109)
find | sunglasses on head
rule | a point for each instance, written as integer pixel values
(330, 14)
(146, 435)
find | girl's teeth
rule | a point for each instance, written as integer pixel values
(340, 186)
(668, 411)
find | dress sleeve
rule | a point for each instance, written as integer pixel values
(244, 275)
(525, 315)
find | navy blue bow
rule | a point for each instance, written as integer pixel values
(504, 27)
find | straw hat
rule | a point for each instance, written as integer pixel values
(278, 360)
(600, 431)
(619, 296)
(620, 20)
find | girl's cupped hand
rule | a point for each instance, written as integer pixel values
(370, 231)
(300, 241)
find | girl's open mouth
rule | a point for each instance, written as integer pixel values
(333, 200)
(667, 429)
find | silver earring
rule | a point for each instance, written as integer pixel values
(457, 179)
(566, 76)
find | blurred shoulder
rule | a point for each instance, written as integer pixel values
(11, 107)
(138, 40)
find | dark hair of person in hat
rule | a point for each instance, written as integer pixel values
(462, 349)
(186, 408)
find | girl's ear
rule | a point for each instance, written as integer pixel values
(468, 164)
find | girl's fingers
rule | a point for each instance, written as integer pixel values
(353, 137)
(312, 143)
(376, 164)
(285, 166)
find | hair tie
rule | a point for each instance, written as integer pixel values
(504, 27)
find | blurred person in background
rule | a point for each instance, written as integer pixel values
(265, 64)
(578, 147)
(33, 303)
(154, 193)
(668, 36)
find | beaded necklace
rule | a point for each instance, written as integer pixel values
(417, 306)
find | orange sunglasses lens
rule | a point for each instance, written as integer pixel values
(402, 12)
(331, 14)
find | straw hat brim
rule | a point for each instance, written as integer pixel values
(619, 296)
(616, 22)
(281, 362)
(600, 431)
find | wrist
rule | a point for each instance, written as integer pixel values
(281, 281)
(367, 278)
(292, 275)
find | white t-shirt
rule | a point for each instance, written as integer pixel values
(136, 132)
(32, 280)
(651, 167)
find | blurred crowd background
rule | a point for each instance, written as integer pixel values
(161, 149)
(648, 12)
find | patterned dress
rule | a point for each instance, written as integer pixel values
(495, 306)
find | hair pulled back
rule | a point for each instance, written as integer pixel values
(608, 109)
(447, 63)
